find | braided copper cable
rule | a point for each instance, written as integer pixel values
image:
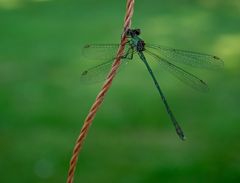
(102, 93)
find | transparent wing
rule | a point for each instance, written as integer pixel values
(95, 65)
(96, 73)
(103, 51)
(99, 51)
(184, 76)
(99, 73)
(187, 57)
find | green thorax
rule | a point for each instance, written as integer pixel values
(137, 43)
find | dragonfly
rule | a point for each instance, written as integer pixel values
(168, 58)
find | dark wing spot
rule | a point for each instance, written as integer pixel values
(215, 57)
(203, 82)
(84, 73)
(87, 46)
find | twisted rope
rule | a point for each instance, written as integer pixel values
(102, 93)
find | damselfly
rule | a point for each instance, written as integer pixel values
(168, 58)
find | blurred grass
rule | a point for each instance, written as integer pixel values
(43, 105)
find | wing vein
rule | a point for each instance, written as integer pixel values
(180, 73)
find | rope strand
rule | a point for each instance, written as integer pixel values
(102, 93)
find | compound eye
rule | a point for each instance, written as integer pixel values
(137, 32)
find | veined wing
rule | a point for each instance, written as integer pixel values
(96, 73)
(97, 69)
(190, 58)
(102, 51)
(180, 73)
(99, 73)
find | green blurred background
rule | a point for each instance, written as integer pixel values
(43, 104)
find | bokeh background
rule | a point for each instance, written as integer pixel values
(43, 104)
